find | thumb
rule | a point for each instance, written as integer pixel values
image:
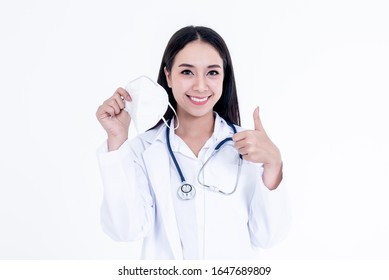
(257, 121)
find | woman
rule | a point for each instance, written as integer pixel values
(224, 209)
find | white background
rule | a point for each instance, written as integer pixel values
(318, 70)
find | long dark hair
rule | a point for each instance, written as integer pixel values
(227, 107)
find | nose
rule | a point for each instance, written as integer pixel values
(200, 84)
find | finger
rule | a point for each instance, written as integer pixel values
(112, 105)
(239, 136)
(124, 94)
(245, 146)
(119, 100)
(243, 151)
(101, 113)
(240, 145)
(257, 121)
(247, 157)
(105, 111)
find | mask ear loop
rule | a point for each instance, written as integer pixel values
(174, 111)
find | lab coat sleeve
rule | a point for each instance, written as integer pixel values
(127, 209)
(270, 216)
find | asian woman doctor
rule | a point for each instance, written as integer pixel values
(206, 190)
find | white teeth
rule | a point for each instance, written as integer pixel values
(195, 99)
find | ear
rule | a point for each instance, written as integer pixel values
(168, 78)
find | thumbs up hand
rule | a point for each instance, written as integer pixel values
(256, 146)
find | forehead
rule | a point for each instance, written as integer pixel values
(198, 53)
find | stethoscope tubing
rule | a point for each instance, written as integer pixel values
(214, 188)
(182, 191)
(172, 154)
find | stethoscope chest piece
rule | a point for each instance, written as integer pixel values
(186, 192)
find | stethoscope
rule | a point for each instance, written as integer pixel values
(186, 191)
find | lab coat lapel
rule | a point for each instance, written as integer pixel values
(158, 165)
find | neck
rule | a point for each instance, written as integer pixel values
(195, 127)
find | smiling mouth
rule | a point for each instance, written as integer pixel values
(199, 100)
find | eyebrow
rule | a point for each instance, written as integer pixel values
(192, 66)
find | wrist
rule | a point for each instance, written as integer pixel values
(114, 142)
(272, 174)
(276, 164)
(274, 160)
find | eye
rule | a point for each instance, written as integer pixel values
(213, 73)
(186, 72)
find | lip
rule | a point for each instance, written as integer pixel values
(199, 100)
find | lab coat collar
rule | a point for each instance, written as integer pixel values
(221, 131)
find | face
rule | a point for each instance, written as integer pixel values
(196, 79)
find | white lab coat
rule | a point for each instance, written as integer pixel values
(137, 204)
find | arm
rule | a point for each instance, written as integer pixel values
(127, 210)
(270, 215)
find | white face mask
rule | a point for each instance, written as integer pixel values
(149, 103)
